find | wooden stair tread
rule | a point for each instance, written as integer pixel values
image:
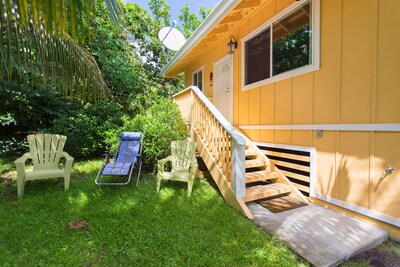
(264, 191)
(258, 176)
(254, 163)
(250, 153)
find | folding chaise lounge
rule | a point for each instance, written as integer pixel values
(127, 158)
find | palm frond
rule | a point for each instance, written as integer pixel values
(30, 55)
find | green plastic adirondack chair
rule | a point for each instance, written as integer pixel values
(46, 150)
(184, 164)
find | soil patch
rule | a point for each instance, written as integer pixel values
(385, 255)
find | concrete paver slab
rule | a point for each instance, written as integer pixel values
(322, 236)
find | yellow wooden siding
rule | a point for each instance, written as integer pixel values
(358, 82)
(267, 136)
(327, 80)
(302, 138)
(388, 78)
(267, 104)
(283, 137)
(353, 168)
(385, 187)
(283, 102)
(326, 161)
(355, 93)
(302, 92)
(282, 4)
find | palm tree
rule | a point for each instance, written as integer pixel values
(39, 45)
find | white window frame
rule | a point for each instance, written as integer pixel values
(315, 45)
(202, 77)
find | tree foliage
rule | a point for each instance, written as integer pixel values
(39, 69)
(190, 22)
(61, 17)
(292, 50)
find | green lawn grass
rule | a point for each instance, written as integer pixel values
(128, 226)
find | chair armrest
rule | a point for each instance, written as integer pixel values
(67, 156)
(107, 157)
(20, 162)
(162, 162)
(193, 166)
(68, 162)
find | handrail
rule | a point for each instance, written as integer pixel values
(224, 123)
(221, 141)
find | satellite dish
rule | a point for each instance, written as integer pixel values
(171, 38)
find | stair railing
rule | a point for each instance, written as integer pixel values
(222, 142)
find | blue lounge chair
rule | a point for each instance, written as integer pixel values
(127, 158)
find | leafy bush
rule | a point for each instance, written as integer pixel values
(161, 124)
(24, 111)
(89, 131)
(12, 146)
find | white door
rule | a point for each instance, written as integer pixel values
(223, 87)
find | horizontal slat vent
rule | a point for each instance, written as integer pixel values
(294, 164)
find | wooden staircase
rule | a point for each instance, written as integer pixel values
(241, 171)
(263, 178)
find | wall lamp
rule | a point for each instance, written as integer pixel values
(232, 45)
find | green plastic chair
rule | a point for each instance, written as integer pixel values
(46, 150)
(184, 164)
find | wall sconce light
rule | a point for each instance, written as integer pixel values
(232, 45)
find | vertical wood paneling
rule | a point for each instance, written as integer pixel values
(386, 186)
(358, 82)
(268, 11)
(267, 104)
(356, 62)
(327, 79)
(254, 106)
(326, 183)
(283, 102)
(302, 111)
(353, 168)
(283, 137)
(388, 79)
(267, 136)
(302, 138)
(254, 135)
(282, 4)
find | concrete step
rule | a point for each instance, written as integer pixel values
(322, 236)
(258, 176)
(264, 191)
(253, 163)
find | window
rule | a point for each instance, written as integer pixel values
(283, 47)
(198, 78)
(258, 53)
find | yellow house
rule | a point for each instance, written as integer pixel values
(314, 85)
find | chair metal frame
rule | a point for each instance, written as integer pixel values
(108, 159)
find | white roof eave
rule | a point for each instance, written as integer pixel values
(219, 12)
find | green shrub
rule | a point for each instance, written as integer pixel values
(161, 124)
(25, 110)
(13, 146)
(89, 131)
